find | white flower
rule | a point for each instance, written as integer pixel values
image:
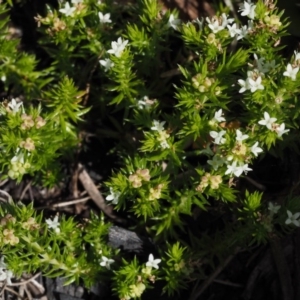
(118, 47)
(243, 32)
(233, 30)
(297, 55)
(106, 63)
(255, 149)
(68, 10)
(240, 136)
(248, 9)
(281, 130)
(158, 126)
(292, 219)
(218, 136)
(214, 25)
(53, 224)
(106, 262)
(291, 72)
(268, 121)
(255, 84)
(273, 208)
(153, 263)
(14, 106)
(173, 22)
(225, 20)
(104, 18)
(5, 274)
(216, 162)
(218, 116)
(164, 145)
(113, 196)
(244, 85)
(245, 168)
(237, 170)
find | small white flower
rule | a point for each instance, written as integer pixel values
(153, 263)
(243, 32)
(226, 21)
(67, 10)
(268, 121)
(53, 224)
(245, 168)
(281, 130)
(113, 196)
(244, 85)
(273, 208)
(104, 18)
(14, 106)
(118, 47)
(218, 137)
(248, 9)
(214, 25)
(240, 136)
(174, 23)
(158, 126)
(291, 72)
(233, 30)
(164, 145)
(216, 162)
(292, 219)
(297, 55)
(237, 170)
(231, 169)
(218, 116)
(106, 63)
(255, 84)
(106, 262)
(255, 149)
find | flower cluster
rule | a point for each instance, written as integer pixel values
(269, 122)
(162, 134)
(139, 176)
(209, 180)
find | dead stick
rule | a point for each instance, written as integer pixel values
(95, 195)
(282, 269)
(212, 277)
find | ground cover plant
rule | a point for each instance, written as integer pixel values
(181, 117)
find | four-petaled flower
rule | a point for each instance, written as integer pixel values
(14, 106)
(255, 85)
(113, 196)
(216, 162)
(218, 137)
(67, 10)
(291, 72)
(233, 169)
(292, 218)
(104, 18)
(268, 121)
(255, 149)
(106, 262)
(53, 224)
(248, 9)
(273, 208)
(233, 30)
(106, 63)
(240, 136)
(118, 47)
(244, 85)
(153, 263)
(218, 116)
(158, 126)
(281, 130)
(173, 22)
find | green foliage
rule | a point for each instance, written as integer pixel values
(190, 108)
